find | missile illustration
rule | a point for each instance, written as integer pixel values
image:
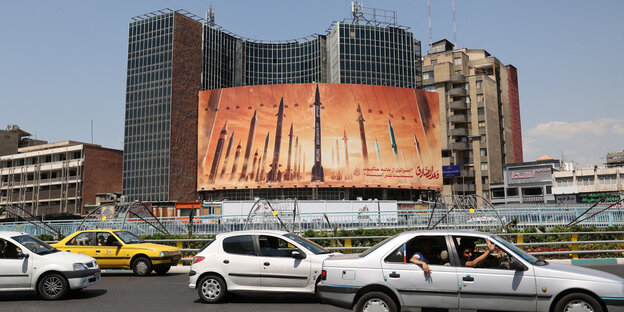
(297, 158)
(274, 173)
(250, 142)
(417, 148)
(360, 121)
(218, 153)
(227, 156)
(338, 173)
(264, 156)
(258, 170)
(392, 139)
(317, 170)
(236, 155)
(289, 173)
(346, 146)
(378, 154)
(253, 166)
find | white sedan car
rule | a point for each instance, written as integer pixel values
(265, 261)
(30, 264)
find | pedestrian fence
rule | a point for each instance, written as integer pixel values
(458, 219)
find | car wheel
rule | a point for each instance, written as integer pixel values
(374, 302)
(52, 286)
(162, 269)
(142, 266)
(578, 302)
(212, 289)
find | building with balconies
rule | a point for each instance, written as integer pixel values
(479, 115)
(615, 159)
(588, 185)
(59, 177)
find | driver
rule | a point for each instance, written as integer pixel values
(468, 257)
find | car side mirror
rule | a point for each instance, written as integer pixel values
(517, 265)
(297, 254)
(116, 244)
(21, 255)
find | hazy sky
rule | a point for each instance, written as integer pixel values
(63, 63)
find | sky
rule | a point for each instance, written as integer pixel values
(63, 63)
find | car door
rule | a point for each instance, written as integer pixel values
(15, 272)
(239, 261)
(438, 290)
(279, 267)
(495, 287)
(105, 251)
(82, 243)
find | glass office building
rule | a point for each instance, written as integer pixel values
(174, 54)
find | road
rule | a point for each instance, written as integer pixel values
(121, 291)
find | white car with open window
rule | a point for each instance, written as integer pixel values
(30, 264)
(264, 261)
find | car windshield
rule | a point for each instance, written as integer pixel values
(307, 244)
(35, 245)
(129, 238)
(383, 242)
(521, 253)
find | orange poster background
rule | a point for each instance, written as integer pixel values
(412, 113)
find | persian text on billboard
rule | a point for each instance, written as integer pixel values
(324, 135)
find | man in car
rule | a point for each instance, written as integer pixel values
(2, 249)
(419, 256)
(468, 255)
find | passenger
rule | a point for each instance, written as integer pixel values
(419, 258)
(110, 240)
(101, 240)
(467, 253)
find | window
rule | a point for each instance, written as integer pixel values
(432, 249)
(434, 61)
(585, 181)
(430, 88)
(485, 180)
(470, 248)
(83, 239)
(484, 166)
(483, 152)
(10, 250)
(481, 124)
(563, 182)
(106, 239)
(479, 98)
(498, 193)
(457, 61)
(512, 191)
(428, 75)
(480, 111)
(479, 84)
(271, 246)
(239, 245)
(607, 179)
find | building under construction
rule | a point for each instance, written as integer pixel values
(58, 177)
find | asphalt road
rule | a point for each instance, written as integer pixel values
(121, 291)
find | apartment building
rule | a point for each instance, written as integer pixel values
(588, 185)
(615, 159)
(59, 177)
(479, 115)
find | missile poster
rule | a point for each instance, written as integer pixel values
(318, 135)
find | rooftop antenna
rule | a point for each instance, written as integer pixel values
(357, 10)
(430, 31)
(91, 131)
(210, 19)
(454, 29)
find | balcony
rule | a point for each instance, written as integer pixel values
(457, 92)
(461, 104)
(467, 173)
(459, 188)
(457, 78)
(459, 132)
(458, 118)
(459, 146)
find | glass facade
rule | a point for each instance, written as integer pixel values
(366, 54)
(148, 109)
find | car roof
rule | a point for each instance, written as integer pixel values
(11, 233)
(253, 232)
(446, 232)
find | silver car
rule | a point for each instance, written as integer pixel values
(467, 271)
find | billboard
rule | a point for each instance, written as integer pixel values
(318, 135)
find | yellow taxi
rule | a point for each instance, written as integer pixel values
(117, 249)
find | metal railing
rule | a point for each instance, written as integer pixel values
(547, 216)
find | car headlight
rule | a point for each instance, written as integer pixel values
(79, 266)
(164, 253)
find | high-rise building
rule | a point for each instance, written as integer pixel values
(479, 115)
(174, 54)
